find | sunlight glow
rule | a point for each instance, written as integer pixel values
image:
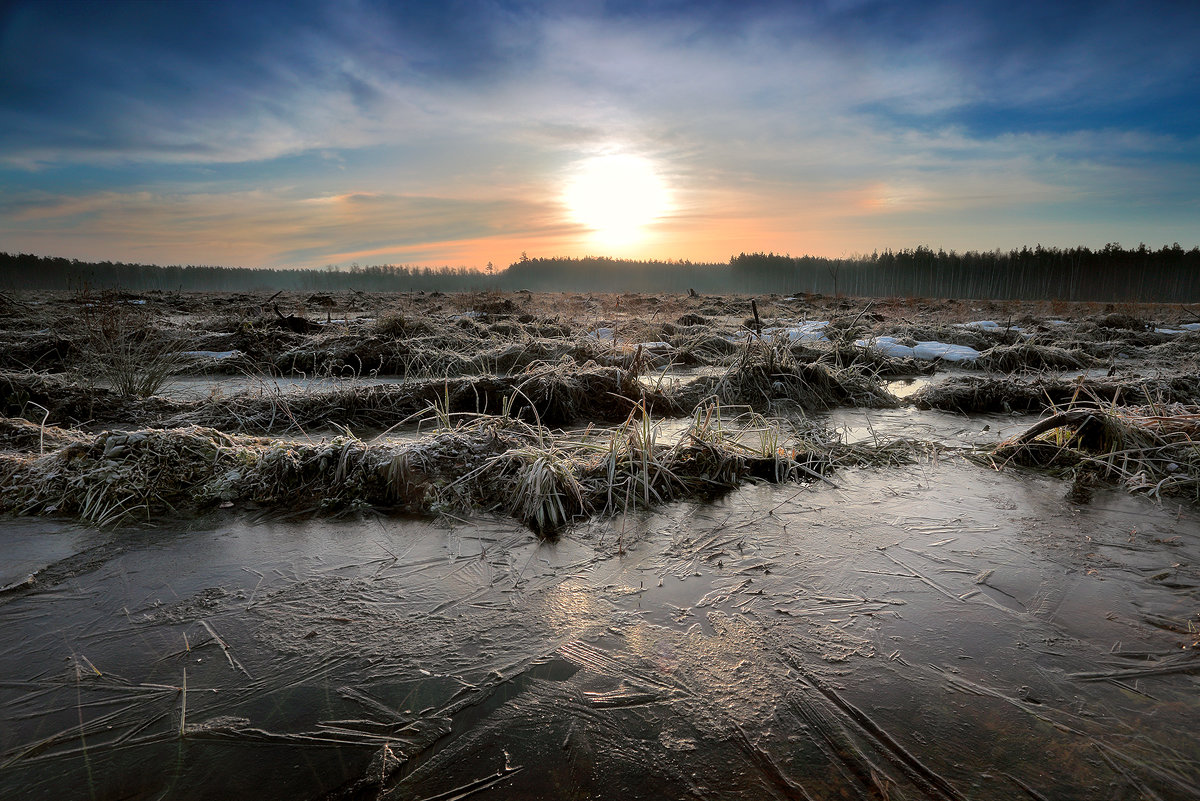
(616, 196)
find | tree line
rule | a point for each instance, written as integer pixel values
(1111, 273)
(31, 272)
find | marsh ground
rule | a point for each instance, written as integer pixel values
(829, 592)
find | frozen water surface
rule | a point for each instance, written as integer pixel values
(940, 631)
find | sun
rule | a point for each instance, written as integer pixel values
(616, 196)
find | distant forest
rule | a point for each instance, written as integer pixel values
(1112, 273)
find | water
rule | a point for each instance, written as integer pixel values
(939, 631)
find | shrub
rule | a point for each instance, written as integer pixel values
(121, 347)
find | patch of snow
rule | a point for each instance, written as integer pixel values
(988, 325)
(812, 331)
(926, 351)
(1182, 329)
(601, 333)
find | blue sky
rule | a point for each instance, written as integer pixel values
(304, 134)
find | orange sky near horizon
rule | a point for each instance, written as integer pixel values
(316, 134)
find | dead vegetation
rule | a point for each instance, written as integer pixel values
(122, 348)
(1151, 449)
(768, 376)
(550, 394)
(21, 435)
(496, 376)
(976, 395)
(545, 478)
(61, 398)
(1028, 357)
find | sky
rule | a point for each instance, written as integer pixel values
(304, 134)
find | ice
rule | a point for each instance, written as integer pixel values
(212, 354)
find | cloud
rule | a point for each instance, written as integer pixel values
(260, 228)
(276, 133)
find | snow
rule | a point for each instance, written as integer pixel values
(988, 325)
(812, 331)
(927, 351)
(1181, 329)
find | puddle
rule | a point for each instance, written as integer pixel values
(940, 631)
(904, 387)
(945, 428)
(676, 375)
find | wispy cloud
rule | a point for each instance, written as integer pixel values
(260, 228)
(209, 131)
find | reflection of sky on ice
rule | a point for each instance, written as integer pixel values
(720, 642)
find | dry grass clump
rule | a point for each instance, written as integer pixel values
(401, 325)
(122, 348)
(1182, 351)
(1123, 322)
(1027, 357)
(46, 351)
(262, 342)
(701, 346)
(1149, 449)
(547, 479)
(768, 374)
(351, 351)
(516, 356)
(552, 394)
(60, 397)
(416, 344)
(543, 477)
(969, 394)
(114, 476)
(21, 435)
